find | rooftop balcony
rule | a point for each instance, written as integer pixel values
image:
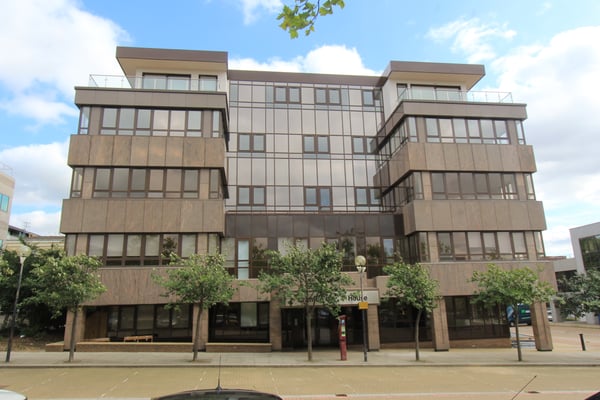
(438, 94)
(155, 82)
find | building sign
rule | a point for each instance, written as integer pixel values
(354, 298)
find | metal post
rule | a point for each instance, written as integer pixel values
(364, 320)
(582, 341)
(14, 311)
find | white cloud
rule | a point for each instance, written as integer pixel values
(471, 37)
(45, 63)
(252, 8)
(325, 59)
(41, 174)
(39, 222)
(558, 81)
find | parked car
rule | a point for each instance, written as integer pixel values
(219, 394)
(8, 395)
(524, 314)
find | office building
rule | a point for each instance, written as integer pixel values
(184, 154)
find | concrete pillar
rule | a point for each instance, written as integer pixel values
(541, 327)
(79, 327)
(373, 328)
(275, 325)
(439, 325)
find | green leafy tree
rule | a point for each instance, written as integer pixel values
(65, 283)
(412, 286)
(199, 279)
(303, 15)
(306, 278)
(511, 287)
(37, 316)
(580, 294)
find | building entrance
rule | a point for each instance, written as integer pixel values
(325, 328)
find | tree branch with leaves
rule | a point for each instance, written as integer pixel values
(412, 286)
(511, 287)
(306, 278)
(303, 15)
(65, 283)
(200, 279)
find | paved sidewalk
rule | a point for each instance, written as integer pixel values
(567, 352)
(398, 358)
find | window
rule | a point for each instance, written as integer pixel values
(478, 246)
(402, 90)
(4, 201)
(360, 145)
(317, 198)
(285, 94)
(365, 196)
(76, 182)
(140, 249)
(84, 120)
(216, 124)
(145, 122)
(208, 83)
(327, 96)
(467, 185)
(459, 130)
(251, 142)
(251, 195)
(520, 133)
(368, 97)
(147, 183)
(529, 187)
(168, 82)
(316, 144)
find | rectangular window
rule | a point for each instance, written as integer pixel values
(316, 144)
(317, 198)
(84, 120)
(76, 182)
(284, 94)
(251, 142)
(368, 99)
(251, 195)
(208, 83)
(4, 200)
(520, 133)
(327, 96)
(243, 259)
(216, 124)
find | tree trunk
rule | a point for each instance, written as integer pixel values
(519, 355)
(197, 335)
(309, 332)
(73, 331)
(417, 323)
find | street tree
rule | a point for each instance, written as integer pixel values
(306, 278)
(412, 286)
(511, 287)
(303, 15)
(580, 294)
(199, 279)
(65, 283)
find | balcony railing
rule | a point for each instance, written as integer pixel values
(436, 94)
(154, 82)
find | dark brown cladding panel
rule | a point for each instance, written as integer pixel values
(171, 54)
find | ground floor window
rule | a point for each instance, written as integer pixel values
(239, 322)
(397, 323)
(157, 320)
(470, 320)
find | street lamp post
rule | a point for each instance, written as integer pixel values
(22, 257)
(361, 262)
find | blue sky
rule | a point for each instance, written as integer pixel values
(547, 53)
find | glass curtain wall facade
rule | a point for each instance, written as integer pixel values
(192, 157)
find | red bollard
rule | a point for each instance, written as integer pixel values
(342, 337)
